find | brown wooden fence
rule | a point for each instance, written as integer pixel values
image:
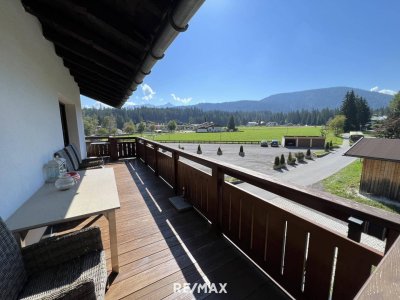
(113, 147)
(308, 260)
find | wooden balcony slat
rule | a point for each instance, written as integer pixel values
(158, 248)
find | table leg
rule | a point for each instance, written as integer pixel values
(112, 224)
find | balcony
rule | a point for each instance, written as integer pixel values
(233, 236)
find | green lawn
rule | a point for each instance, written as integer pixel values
(246, 134)
(346, 182)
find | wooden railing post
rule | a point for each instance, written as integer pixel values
(134, 147)
(155, 160)
(113, 148)
(175, 157)
(137, 147)
(145, 152)
(217, 182)
(391, 237)
(356, 227)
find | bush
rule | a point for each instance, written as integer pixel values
(291, 160)
(219, 152)
(199, 150)
(308, 154)
(330, 145)
(241, 152)
(299, 156)
(327, 147)
(282, 161)
(277, 164)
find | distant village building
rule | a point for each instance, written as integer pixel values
(250, 124)
(303, 141)
(209, 127)
(380, 174)
(271, 124)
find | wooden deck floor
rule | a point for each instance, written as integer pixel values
(159, 246)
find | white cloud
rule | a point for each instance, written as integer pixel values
(383, 91)
(388, 92)
(374, 89)
(148, 92)
(181, 100)
(129, 103)
(98, 105)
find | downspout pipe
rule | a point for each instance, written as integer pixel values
(177, 22)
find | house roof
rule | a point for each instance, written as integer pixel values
(381, 149)
(109, 46)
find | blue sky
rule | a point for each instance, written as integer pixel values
(250, 49)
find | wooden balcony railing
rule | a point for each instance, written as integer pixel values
(309, 260)
(113, 147)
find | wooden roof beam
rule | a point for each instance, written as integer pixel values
(111, 99)
(87, 52)
(64, 50)
(77, 61)
(81, 14)
(75, 35)
(98, 86)
(76, 70)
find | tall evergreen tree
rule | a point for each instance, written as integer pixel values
(363, 112)
(231, 124)
(349, 110)
(391, 126)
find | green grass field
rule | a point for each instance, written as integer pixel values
(246, 134)
(346, 182)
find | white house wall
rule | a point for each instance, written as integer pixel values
(32, 81)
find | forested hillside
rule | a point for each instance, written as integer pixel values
(195, 115)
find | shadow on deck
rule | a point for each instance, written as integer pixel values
(159, 247)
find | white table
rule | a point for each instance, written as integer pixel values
(95, 194)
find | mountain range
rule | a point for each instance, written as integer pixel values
(309, 99)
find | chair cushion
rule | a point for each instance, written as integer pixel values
(12, 271)
(77, 153)
(70, 166)
(54, 281)
(71, 154)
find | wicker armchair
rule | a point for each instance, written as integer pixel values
(70, 266)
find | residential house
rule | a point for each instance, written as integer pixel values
(53, 51)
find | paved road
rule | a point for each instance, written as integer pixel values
(319, 169)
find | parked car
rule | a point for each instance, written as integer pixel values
(274, 143)
(264, 143)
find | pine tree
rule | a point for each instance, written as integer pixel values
(349, 110)
(282, 161)
(363, 112)
(277, 162)
(391, 126)
(219, 152)
(199, 150)
(231, 124)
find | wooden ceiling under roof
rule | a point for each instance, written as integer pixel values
(103, 43)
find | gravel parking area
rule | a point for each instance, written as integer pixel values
(257, 158)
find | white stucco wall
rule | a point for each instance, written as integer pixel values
(32, 81)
